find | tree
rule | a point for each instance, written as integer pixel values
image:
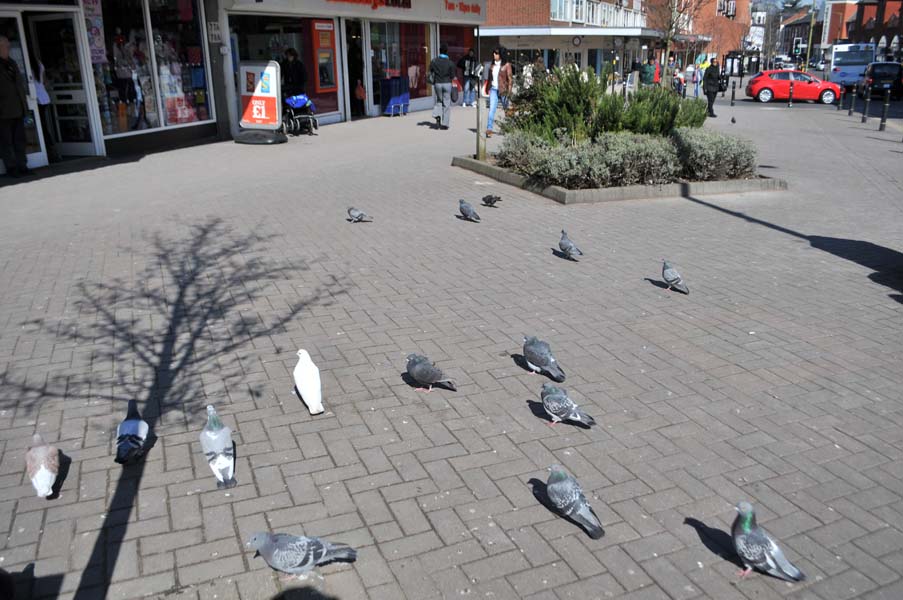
(673, 18)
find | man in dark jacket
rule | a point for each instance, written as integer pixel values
(647, 73)
(470, 69)
(294, 75)
(442, 71)
(12, 114)
(711, 84)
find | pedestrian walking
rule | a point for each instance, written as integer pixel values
(497, 79)
(711, 84)
(12, 114)
(441, 73)
(470, 71)
(678, 82)
(647, 73)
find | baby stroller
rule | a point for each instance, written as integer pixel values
(298, 115)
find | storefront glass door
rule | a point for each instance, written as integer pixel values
(66, 123)
(11, 27)
(356, 84)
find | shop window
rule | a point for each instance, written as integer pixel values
(314, 72)
(131, 94)
(459, 40)
(178, 47)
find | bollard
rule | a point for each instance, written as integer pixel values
(840, 98)
(790, 100)
(853, 93)
(884, 109)
(733, 91)
(865, 107)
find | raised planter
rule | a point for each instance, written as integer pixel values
(631, 192)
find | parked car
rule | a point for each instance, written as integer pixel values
(775, 85)
(882, 77)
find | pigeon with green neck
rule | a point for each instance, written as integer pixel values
(758, 550)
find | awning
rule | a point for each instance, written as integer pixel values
(634, 32)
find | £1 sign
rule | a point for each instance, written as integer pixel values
(259, 84)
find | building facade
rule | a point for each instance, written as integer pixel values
(879, 22)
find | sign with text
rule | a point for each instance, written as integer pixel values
(260, 89)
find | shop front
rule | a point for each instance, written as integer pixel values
(108, 77)
(358, 58)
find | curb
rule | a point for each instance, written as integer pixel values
(631, 192)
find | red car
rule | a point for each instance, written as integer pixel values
(775, 85)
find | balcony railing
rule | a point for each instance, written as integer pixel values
(599, 14)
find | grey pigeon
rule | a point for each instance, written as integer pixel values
(468, 212)
(42, 464)
(673, 278)
(358, 216)
(757, 549)
(490, 200)
(131, 436)
(423, 371)
(560, 407)
(733, 120)
(564, 492)
(216, 442)
(540, 360)
(297, 555)
(568, 247)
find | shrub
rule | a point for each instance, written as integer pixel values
(709, 155)
(609, 114)
(614, 159)
(638, 159)
(692, 113)
(652, 110)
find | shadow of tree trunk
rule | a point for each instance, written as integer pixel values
(187, 316)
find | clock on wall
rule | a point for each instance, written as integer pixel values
(577, 41)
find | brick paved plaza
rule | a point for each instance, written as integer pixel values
(192, 277)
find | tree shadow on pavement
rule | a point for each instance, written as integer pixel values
(718, 542)
(173, 335)
(886, 263)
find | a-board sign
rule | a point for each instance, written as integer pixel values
(261, 96)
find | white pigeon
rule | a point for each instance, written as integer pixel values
(307, 382)
(216, 442)
(42, 463)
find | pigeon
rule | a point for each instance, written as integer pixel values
(216, 442)
(468, 212)
(568, 247)
(560, 407)
(296, 555)
(565, 493)
(7, 586)
(42, 463)
(130, 436)
(673, 278)
(757, 549)
(307, 382)
(358, 216)
(540, 360)
(490, 200)
(733, 120)
(426, 373)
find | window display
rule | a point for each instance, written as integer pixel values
(130, 94)
(180, 61)
(400, 58)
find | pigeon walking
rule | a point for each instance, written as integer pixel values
(296, 555)
(564, 492)
(358, 216)
(216, 442)
(490, 200)
(538, 356)
(673, 278)
(560, 407)
(426, 373)
(568, 247)
(757, 549)
(42, 464)
(131, 436)
(307, 382)
(733, 120)
(468, 212)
